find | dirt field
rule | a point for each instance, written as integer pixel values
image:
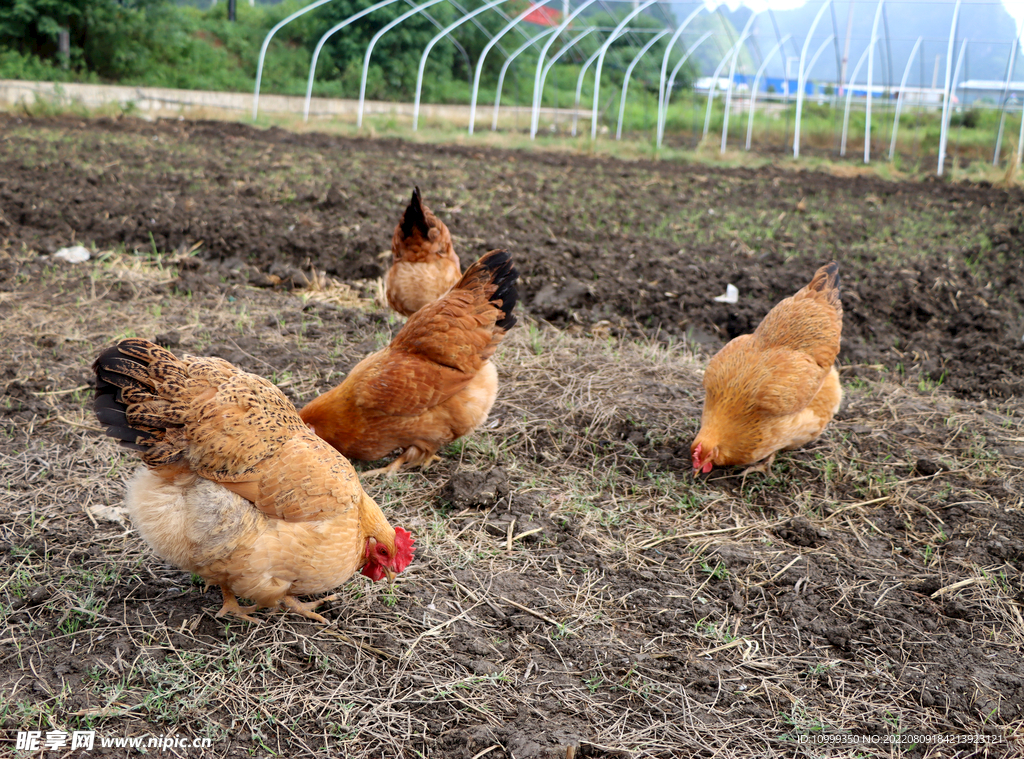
(575, 588)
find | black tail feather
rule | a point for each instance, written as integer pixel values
(832, 280)
(504, 275)
(414, 218)
(109, 405)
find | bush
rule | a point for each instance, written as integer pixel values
(966, 118)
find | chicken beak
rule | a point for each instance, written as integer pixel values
(390, 575)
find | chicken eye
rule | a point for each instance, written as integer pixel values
(382, 551)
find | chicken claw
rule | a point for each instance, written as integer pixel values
(231, 606)
(412, 456)
(764, 467)
(306, 609)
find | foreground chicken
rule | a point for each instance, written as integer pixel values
(423, 262)
(434, 382)
(236, 488)
(776, 389)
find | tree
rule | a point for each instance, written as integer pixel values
(106, 36)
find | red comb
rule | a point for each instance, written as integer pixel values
(403, 548)
(696, 456)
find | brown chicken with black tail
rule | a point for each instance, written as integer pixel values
(434, 383)
(778, 388)
(423, 262)
(236, 488)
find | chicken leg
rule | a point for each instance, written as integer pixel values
(231, 606)
(764, 467)
(412, 456)
(307, 608)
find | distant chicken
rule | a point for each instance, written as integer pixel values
(778, 388)
(434, 382)
(423, 262)
(236, 488)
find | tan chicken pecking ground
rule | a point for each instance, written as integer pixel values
(778, 388)
(236, 488)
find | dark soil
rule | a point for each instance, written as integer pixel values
(619, 627)
(932, 272)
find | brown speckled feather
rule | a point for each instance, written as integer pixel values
(234, 428)
(281, 512)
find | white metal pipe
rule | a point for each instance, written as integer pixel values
(711, 88)
(672, 79)
(483, 54)
(757, 85)
(430, 46)
(579, 87)
(946, 86)
(817, 55)
(900, 97)
(600, 59)
(629, 73)
(664, 69)
(732, 75)
(537, 88)
(944, 130)
(849, 96)
(326, 36)
(562, 51)
(554, 59)
(373, 41)
(1020, 140)
(818, 52)
(266, 42)
(800, 86)
(1002, 113)
(871, 70)
(504, 68)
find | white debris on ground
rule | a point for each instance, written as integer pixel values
(732, 294)
(100, 513)
(76, 254)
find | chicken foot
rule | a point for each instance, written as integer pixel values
(307, 608)
(231, 606)
(764, 467)
(412, 456)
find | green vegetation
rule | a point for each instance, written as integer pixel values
(159, 43)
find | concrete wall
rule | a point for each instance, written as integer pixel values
(163, 101)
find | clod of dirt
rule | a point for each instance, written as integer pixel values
(34, 597)
(171, 339)
(928, 585)
(289, 276)
(335, 198)
(483, 667)
(476, 489)
(557, 301)
(800, 532)
(926, 468)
